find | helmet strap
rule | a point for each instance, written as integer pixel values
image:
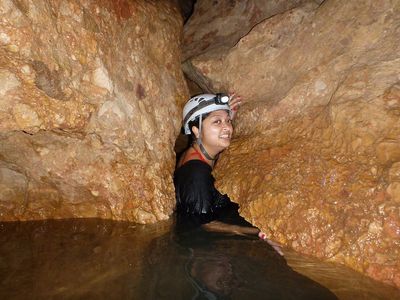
(204, 151)
(200, 143)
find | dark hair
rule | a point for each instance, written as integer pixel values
(195, 123)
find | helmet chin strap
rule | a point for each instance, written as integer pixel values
(203, 150)
(200, 143)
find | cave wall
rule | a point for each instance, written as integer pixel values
(88, 108)
(315, 160)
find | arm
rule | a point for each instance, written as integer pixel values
(218, 226)
(195, 193)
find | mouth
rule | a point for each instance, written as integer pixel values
(225, 136)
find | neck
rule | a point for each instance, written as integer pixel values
(209, 158)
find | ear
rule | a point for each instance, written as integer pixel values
(195, 130)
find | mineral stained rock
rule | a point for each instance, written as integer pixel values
(218, 24)
(88, 108)
(315, 161)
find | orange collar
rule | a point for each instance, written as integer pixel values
(195, 153)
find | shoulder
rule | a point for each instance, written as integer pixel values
(194, 188)
(195, 168)
(194, 175)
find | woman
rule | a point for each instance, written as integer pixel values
(208, 119)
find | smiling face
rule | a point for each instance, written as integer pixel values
(216, 132)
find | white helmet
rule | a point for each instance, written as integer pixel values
(203, 104)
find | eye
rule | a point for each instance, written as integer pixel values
(229, 121)
(217, 121)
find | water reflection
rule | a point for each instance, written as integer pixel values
(232, 267)
(97, 259)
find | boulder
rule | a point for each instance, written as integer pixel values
(217, 24)
(89, 108)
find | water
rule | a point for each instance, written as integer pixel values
(98, 259)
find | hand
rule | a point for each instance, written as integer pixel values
(277, 247)
(234, 103)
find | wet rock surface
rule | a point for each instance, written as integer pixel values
(88, 109)
(315, 159)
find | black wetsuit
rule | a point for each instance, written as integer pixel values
(249, 269)
(198, 200)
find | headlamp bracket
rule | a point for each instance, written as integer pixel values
(221, 98)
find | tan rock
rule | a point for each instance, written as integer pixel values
(394, 191)
(13, 186)
(388, 152)
(222, 23)
(89, 112)
(26, 118)
(394, 172)
(315, 154)
(8, 81)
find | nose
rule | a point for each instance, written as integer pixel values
(226, 126)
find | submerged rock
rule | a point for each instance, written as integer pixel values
(88, 109)
(314, 162)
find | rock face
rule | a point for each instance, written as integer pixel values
(217, 24)
(88, 108)
(316, 157)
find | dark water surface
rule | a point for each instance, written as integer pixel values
(98, 259)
